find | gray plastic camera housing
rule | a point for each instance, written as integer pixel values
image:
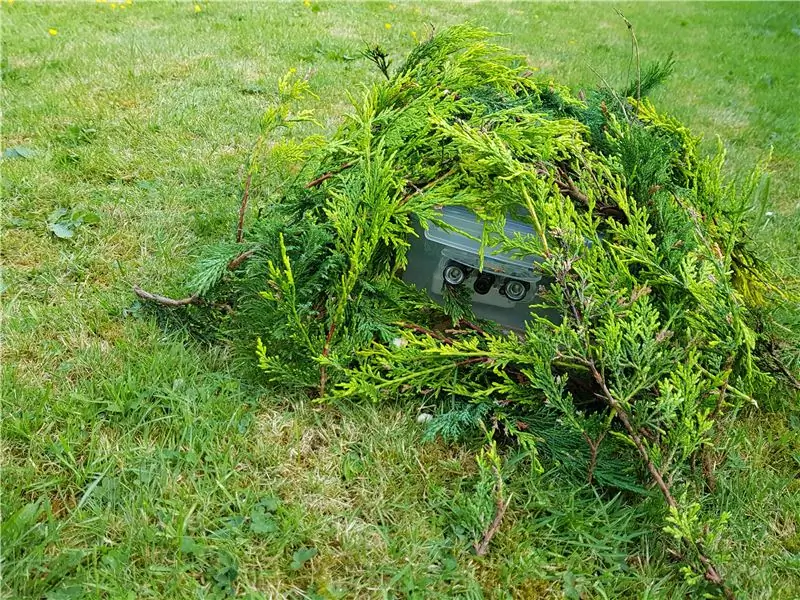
(457, 244)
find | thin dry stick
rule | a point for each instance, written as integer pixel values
(594, 446)
(611, 90)
(165, 301)
(634, 48)
(708, 466)
(427, 186)
(791, 379)
(323, 372)
(472, 326)
(194, 298)
(328, 175)
(243, 209)
(502, 505)
(426, 331)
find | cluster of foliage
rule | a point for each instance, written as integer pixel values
(664, 307)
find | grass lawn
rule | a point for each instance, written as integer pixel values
(138, 463)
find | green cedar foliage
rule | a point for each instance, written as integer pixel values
(665, 309)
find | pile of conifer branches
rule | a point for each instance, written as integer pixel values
(664, 306)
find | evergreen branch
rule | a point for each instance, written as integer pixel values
(656, 287)
(712, 573)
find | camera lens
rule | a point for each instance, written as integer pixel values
(515, 290)
(484, 283)
(454, 274)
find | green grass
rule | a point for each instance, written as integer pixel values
(137, 463)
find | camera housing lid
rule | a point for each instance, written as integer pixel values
(462, 235)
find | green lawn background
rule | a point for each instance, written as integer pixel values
(138, 464)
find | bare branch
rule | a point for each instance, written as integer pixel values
(194, 298)
(243, 209)
(502, 505)
(240, 259)
(328, 175)
(164, 300)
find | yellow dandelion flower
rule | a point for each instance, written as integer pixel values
(387, 25)
(197, 8)
(113, 5)
(129, 2)
(52, 31)
(9, 2)
(306, 3)
(572, 42)
(534, 68)
(122, 7)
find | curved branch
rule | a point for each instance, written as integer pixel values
(243, 209)
(328, 175)
(164, 300)
(194, 298)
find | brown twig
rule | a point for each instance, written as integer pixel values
(426, 331)
(791, 379)
(243, 209)
(632, 432)
(240, 259)
(569, 188)
(164, 300)
(472, 326)
(502, 505)
(323, 372)
(427, 186)
(194, 298)
(708, 468)
(473, 360)
(594, 446)
(328, 175)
